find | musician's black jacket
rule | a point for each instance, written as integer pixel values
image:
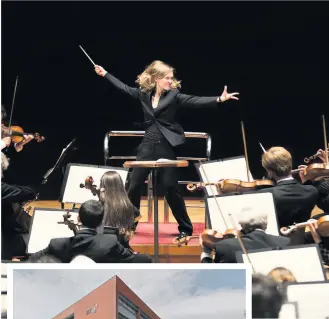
(323, 189)
(165, 114)
(257, 239)
(11, 194)
(102, 248)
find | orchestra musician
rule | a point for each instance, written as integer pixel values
(14, 223)
(119, 212)
(160, 97)
(321, 184)
(294, 202)
(6, 141)
(101, 248)
(253, 236)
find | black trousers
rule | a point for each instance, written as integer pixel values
(152, 150)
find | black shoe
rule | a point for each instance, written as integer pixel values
(181, 236)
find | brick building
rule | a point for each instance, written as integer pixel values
(112, 300)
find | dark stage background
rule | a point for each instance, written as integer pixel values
(274, 54)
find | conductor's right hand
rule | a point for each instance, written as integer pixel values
(100, 70)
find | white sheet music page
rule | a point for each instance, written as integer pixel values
(304, 262)
(240, 205)
(306, 301)
(45, 227)
(77, 174)
(163, 160)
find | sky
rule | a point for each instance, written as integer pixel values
(171, 293)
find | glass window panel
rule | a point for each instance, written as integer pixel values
(144, 315)
(126, 309)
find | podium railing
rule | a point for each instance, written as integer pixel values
(107, 157)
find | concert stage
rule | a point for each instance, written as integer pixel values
(143, 240)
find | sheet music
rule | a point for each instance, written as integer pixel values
(304, 262)
(165, 160)
(77, 175)
(45, 227)
(241, 205)
(306, 301)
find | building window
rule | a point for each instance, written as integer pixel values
(71, 316)
(144, 316)
(126, 309)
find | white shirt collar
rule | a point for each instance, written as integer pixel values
(285, 179)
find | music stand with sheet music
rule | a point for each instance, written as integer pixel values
(304, 262)
(76, 174)
(299, 304)
(47, 223)
(239, 205)
(227, 168)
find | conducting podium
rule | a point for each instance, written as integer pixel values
(154, 166)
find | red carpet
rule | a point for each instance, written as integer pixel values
(167, 232)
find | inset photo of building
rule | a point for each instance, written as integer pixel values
(129, 293)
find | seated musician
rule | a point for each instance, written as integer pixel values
(282, 275)
(119, 212)
(102, 248)
(253, 236)
(294, 202)
(15, 223)
(321, 184)
(267, 299)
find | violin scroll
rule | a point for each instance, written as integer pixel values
(89, 184)
(70, 223)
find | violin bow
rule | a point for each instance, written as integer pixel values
(325, 138)
(233, 225)
(12, 105)
(262, 147)
(245, 150)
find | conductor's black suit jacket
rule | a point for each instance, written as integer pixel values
(165, 114)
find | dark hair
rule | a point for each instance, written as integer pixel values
(266, 298)
(91, 213)
(118, 209)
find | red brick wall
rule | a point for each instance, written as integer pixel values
(104, 297)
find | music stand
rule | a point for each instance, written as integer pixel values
(154, 165)
(65, 151)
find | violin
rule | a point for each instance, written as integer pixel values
(233, 185)
(70, 223)
(17, 134)
(319, 170)
(89, 184)
(210, 237)
(315, 171)
(322, 227)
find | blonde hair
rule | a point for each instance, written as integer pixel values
(156, 70)
(278, 160)
(282, 275)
